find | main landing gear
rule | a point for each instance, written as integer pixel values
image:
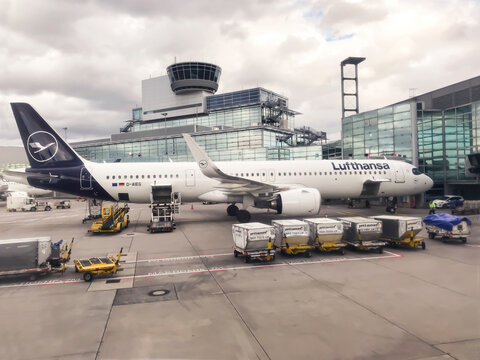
(243, 216)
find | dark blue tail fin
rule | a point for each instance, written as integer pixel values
(44, 148)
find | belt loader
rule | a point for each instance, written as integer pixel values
(114, 219)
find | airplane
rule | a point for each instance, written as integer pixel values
(292, 188)
(11, 186)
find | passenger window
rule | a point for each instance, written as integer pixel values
(143, 176)
(310, 173)
(315, 173)
(171, 176)
(330, 173)
(131, 176)
(258, 174)
(294, 174)
(176, 175)
(279, 174)
(154, 176)
(136, 176)
(108, 177)
(241, 174)
(289, 174)
(124, 176)
(113, 177)
(263, 174)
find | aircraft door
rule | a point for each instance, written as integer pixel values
(190, 177)
(399, 174)
(271, 175)
(85, 179)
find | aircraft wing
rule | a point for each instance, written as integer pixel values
(229, 184)
(371, 187)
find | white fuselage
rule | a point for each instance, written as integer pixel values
(333, 178)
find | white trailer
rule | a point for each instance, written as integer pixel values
(20, 201)
(326, 234)
(253, 241)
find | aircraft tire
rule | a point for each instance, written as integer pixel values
(232, 210)
(243, 216)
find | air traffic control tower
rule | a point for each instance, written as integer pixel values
(251, 124)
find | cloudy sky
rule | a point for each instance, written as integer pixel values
(80, 63)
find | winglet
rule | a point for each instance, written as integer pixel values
(206, 165)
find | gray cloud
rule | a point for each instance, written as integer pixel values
(80, 64)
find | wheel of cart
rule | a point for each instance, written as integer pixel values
(423, 245)
(235, 253)
(431, 235)
(246, 259)
(88, 276)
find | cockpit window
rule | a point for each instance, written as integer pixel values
(416, 171)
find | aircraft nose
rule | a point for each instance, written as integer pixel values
(428, 182)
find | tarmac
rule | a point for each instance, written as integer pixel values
(183, 295)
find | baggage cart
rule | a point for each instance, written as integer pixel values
(363, 233)
(95, 266)
(254, 241)
(401, 230)
(447, 227)
(326, 234)
(114, 219)
(292, 237)
(32, 256)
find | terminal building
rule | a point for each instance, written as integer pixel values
(438, 131)
(252, 124)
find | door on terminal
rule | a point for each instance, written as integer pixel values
(190, 177)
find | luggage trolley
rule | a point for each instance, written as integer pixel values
(363, 233)
(326, 234)
(401, 230)
(448, 227)
(292, 237)
(95, 266)
(253, 241)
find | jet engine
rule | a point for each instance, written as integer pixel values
(297, 202)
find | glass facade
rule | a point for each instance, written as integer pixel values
(237, 145)
(382, 132)
(445, 138)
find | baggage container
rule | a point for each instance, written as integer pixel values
(326, 234)
(28, 253)
(401, 230)
(293, 237)
(362, 233)
(253, 241)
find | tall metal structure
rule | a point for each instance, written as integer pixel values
(348, 95)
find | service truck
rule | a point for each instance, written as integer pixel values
(20, 201)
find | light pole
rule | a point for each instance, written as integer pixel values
(65, 129)
(165, 119)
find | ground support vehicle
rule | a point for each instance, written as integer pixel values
(292, 237)
(94, 210)
(41, 205)
(114, 219)
(326, 234)
(254, 241)
(447, 227)
(20, 201)
(63, 204)
(468, 207)
(98, 266)
(363, 233)
(164, 204)
(401, 230)
(32, 256)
